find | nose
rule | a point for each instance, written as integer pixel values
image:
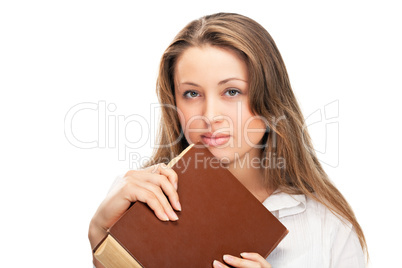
(212, 111)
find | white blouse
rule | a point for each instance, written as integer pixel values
(316, 238)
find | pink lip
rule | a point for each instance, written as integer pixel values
(215, 140)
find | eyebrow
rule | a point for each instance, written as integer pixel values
(219, 84)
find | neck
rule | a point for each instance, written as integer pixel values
(252, 177)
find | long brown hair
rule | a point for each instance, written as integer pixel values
(270, 96)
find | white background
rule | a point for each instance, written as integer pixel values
(57, 54)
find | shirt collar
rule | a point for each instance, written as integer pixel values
(285, 204)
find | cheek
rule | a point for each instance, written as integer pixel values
(184, 114)
(253, 128)
(188, 120)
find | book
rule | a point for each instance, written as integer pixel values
(219, 216)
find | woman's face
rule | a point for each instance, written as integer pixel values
(211, 89)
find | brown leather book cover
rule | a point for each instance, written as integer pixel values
(219, 216)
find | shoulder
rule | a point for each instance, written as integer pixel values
(314, 233)
(316, 211)
(304, 212)
(284, 205)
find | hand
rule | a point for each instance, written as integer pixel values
(251, 260)
(148, 186)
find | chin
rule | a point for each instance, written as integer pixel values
(225, 155)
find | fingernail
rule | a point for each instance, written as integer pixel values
(174, 215)
(227, 258)
(178, 206)
(217, 264)
(165, 217)
(175, 185)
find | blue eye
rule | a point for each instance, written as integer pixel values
(192, 94)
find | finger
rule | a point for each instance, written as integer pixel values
(239, 262)
(218, 264)
(160, 179)
(118, 201)
(157, 191)
(168, 189)
(255, 257)
(134, 190)
(163, 169)
(148, 197)
(172, 177)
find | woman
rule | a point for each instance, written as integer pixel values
(229, 83)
